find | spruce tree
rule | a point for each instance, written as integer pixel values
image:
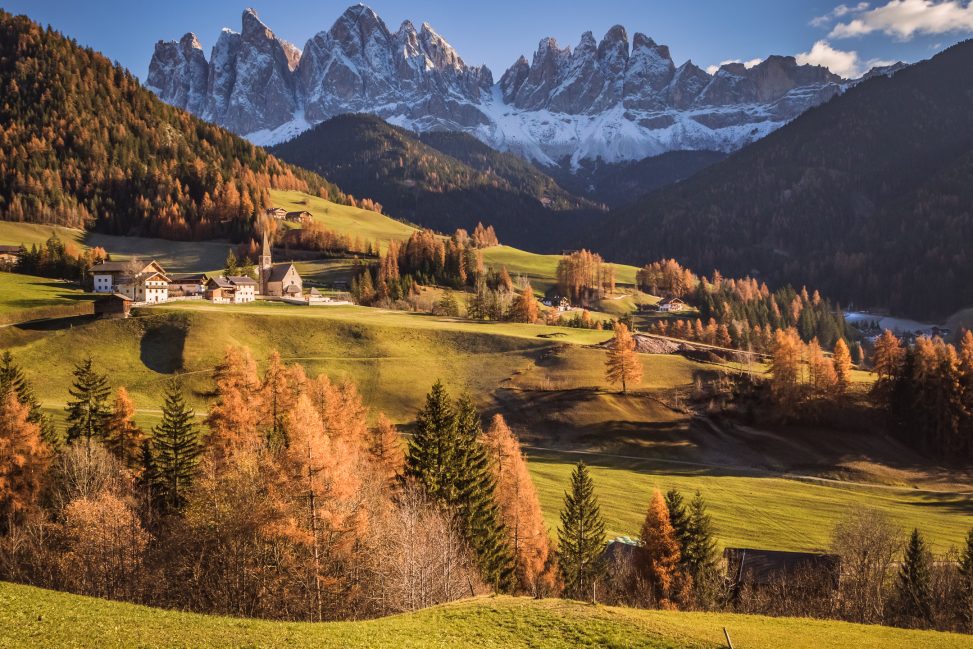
(447, 459)
(966, 584)
(13, 379)
(89, 413)
(677, 516)
(581, 537)
(175, 451)
(477, 502)
(913, 589)
(432, 459)
(700, 554)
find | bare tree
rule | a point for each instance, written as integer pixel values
(868, 544)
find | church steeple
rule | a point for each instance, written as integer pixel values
(265, 265)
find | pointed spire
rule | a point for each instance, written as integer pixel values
(266, 248)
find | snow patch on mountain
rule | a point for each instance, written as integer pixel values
(608, 99)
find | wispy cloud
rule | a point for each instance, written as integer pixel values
(847, 64)
(903, 19)
(713, 69)
(838, 12)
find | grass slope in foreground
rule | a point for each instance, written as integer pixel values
(31, 617)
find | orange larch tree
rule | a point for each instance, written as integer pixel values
(520, 509)
(623, 364)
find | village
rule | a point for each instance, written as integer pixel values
(129, 283)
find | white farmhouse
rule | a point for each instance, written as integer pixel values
(147, 283)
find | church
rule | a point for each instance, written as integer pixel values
(281, 280)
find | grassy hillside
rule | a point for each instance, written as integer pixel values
(371, 226)
(455, 183)
(31, 617)
(177, 256)
(547, 380)
(23, 297)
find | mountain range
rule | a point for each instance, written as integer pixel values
(867, 197)
(617, 99)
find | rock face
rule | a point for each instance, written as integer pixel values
(608, 99)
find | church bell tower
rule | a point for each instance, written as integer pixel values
(265, 265)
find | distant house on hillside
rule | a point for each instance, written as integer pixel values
(187, 285)
(115, 305)
(277, 213)
(303, 217)
(140, 282)
(671, 305)
(9, 255)
(230, 290)
(558, 302)
(762, 568)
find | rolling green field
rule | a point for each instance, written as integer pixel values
(371, 226)
(32, 617)
(23, 292)
(748, 510)
(177, 256)
(394, 357)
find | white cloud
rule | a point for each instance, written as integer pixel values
(905, 18)
(713, 69)
(839, 12)
(845, 64)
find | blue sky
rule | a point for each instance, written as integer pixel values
(848, 38)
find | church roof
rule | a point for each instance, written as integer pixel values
(277, 273)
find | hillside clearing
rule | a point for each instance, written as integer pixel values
(31, 617)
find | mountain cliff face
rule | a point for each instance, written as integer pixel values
(615, 99)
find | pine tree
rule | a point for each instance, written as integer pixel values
(12, 378)
(231, 268)
(446, 457)
(433, 459)
(477, 502)
(659, 554)
(89, 413)
(175, 451)
(966, 584)
(623, 364)
(581, 537)
(123, 437)
(678, 516)
(913, 589)
(842, 366)
(700, 555)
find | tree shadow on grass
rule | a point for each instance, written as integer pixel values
(162, 345)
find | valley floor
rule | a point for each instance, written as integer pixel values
(32, 617)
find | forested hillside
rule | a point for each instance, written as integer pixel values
(82, 144)
(447, 183)
(866, 198)
(622, 183)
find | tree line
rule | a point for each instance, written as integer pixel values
(83, 144)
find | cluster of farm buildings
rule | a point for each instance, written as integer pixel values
(133, 282)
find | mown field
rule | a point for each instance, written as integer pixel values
(26, 296)
(32, 617)
(394, 357)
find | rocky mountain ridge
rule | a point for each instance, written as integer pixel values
(612, 100)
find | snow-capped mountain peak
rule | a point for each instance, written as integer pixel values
(612, 98)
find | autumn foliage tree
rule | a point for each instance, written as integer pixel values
(659, 556)
(842, 366)
(524, 308)
(123, 437)
(623, 365)
(521, 510)
(23, 460)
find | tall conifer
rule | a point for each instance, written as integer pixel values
(12, 378)
(89, 413)
(581, 537)
(913, 588)
(175, 451)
